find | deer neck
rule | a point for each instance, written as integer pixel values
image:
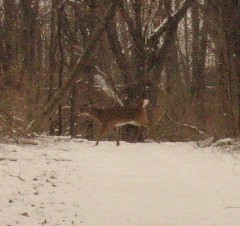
(94, 113)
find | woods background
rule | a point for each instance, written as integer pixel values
(187, 52)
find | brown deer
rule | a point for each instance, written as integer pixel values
(112, 118)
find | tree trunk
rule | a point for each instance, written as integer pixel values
(28, 42)
(236, 48)
(61, 64)
(187, 53)
(10, 33)
(52, 61)
(198, 66)
(225, 50)
(117, 51)
(172, 70)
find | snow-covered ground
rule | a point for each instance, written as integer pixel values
(71, 182)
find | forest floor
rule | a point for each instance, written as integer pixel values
(67, 182)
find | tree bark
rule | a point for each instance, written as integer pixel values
(10, 31)
(61, 64)
(117, 51)
(198, 66)
(172, 71)
(52, 61)
(236, 47)
(28, 44)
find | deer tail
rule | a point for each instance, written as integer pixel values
(145, 103)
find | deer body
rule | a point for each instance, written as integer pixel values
(111, 118)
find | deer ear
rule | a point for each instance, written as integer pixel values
(85, 105)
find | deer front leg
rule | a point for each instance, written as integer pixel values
(152, 134)
(116, 130)
(98, 135)
(148, 125)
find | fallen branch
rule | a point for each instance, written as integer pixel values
(187, 126)
(166, 115)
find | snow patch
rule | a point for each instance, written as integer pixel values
(63, 181)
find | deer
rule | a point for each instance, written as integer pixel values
(117, 116)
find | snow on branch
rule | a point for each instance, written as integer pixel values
(174, 18)
(109, 88)
(187, 126)
(167, 116)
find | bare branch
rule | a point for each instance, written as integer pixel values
(175, 18)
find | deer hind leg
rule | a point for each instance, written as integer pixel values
(103, 131)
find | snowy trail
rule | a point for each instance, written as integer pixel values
(65, 182)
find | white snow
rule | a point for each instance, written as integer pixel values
(71, 182)
(145, 103)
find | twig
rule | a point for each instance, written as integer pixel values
(60, 159)
(19, 177)
(231, 207)
(9, 159)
